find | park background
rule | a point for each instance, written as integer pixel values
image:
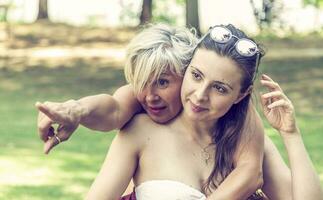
(72, 49)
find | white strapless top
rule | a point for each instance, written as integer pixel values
(167, 190)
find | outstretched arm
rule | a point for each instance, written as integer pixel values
(246, 177)
(105, 112)
(280, 113)
(100, 112)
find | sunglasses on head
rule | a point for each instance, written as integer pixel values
(243, 46)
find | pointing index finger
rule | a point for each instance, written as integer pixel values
(50, 112)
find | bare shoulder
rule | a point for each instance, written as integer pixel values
(138, 128)
(139, 122)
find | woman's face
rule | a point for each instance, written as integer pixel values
(211, 86)
(161, 99)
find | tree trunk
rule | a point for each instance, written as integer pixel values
(146, 12)
(192, 15)
(263, 15)
(43, 10)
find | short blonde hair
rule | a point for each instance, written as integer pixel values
(155, 50)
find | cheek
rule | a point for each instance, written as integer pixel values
(222, 104)
(173, 98)
(185, 89)
(176, 102)
(140, 97)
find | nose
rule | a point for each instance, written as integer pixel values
(201, 93)
(151, 94)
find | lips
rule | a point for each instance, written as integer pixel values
(195, 108)
(156, 109)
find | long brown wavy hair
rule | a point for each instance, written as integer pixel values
(228, 129)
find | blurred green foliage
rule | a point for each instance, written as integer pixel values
(316, 3)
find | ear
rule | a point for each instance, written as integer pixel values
(243, 95)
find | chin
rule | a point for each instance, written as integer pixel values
(159, 120)
(194, 116)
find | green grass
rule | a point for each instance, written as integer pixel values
(67, 173)
(25, 172)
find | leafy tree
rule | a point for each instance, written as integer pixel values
(316, 3)
(191, 6)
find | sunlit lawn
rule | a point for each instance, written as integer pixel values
(26, 173)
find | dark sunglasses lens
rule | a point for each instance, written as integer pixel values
(220, 34)
(246, 47)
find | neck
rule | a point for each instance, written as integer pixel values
(197, 129)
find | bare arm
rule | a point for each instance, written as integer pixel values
(118, 167)
(277, 175)
(105, 112)
(100, 112)
(246, 178)
(280, 113)
(305, 181)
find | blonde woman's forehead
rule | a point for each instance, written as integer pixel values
(165, 74)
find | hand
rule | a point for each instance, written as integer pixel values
(67, 115)
(278, 109)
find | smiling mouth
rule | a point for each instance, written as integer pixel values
(196, 108)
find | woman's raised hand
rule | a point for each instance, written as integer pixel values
(278, 109)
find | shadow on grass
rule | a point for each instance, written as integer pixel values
(40, 34)
(78, 79)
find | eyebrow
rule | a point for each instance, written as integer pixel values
(218, 82)
(164, 74)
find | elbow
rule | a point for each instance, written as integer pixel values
(256, 180)
(259, 181)
(253, 180)
(258, 176)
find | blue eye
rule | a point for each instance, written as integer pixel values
(196, 76)
(162, 83)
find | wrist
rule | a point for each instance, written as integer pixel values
(290, 132)
(289, 137)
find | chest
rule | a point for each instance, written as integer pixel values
(168, 156)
